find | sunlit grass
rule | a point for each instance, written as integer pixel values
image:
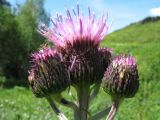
(20, 104)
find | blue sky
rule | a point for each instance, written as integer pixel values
(122, 12)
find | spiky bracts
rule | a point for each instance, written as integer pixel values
(121, 77)
(48, 75)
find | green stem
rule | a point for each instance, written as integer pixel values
(83, 92)
(72, 106)
(112, 112)
(59, 114)
(115, 105)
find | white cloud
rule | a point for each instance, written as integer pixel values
(155, 11)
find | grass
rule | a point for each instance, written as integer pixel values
(20, 104)
(140, 40)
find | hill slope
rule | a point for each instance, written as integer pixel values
(142, 32)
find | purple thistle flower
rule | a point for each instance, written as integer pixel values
(48, 75)
(121, 77)
(75, 27)
(78, 37)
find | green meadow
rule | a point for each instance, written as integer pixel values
(142, 40)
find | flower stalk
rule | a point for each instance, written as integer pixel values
(115, 105)
(112, 112)
(71, 105)
(83, 93)
(59, 114)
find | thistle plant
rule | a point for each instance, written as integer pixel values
(120, 81)
(76, 60)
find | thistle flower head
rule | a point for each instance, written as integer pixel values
(48, 74)
(78, 37)
(121, 77)
(75, 27)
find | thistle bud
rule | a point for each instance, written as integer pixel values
(86, 68)
(48, 75)
(121, 77)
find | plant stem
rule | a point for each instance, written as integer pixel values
(73, 106)
(115, 105)
(100, 114)
(59, 114)
(112, 112)
(83, 93)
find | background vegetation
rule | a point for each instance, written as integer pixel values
(19, 37)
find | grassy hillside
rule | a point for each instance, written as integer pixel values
(141, 40)
(139, 32)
